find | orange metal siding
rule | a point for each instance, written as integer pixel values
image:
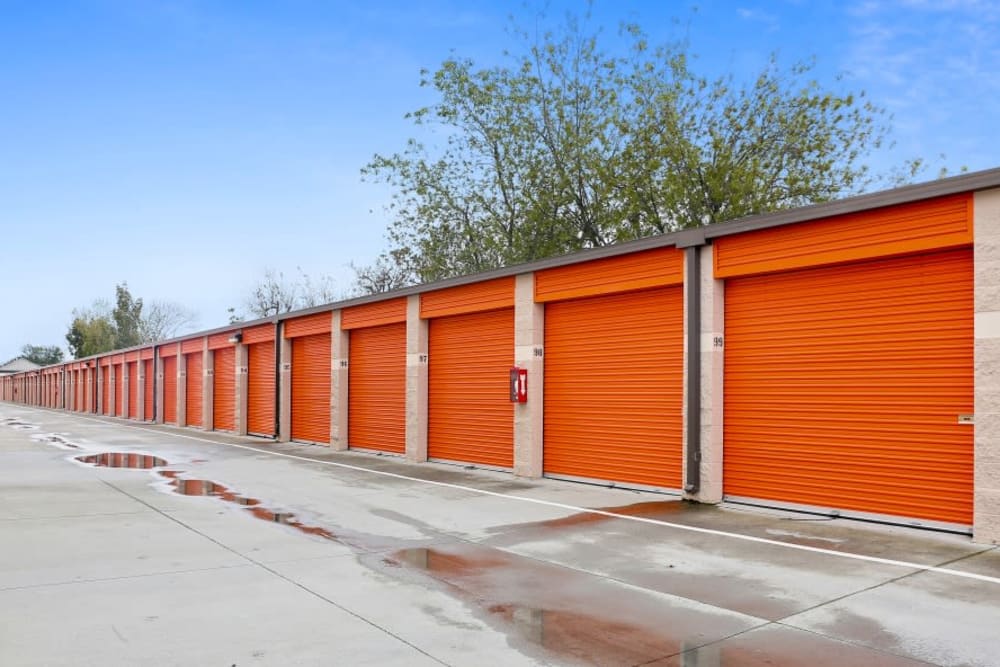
(261, 389)
(374, 314)
(613, 387)
(170, 390)
(149, 397)
(258, 334)
(193, 388)
(224, 389)
(908, 228)
(192, 346)
(843, 386)
(119, 371)
(470, 416)
(133, 390)
(309, 325)
(311, 357)
(377, 388)
(641, 270)
(477, 297)
(106, 389)
(217, 341)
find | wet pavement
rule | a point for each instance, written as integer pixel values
(126, 544)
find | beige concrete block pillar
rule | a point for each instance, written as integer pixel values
(986, 516)
(242, 377)
(112, 389)
(284, 386)
(712, 330)
(181, 387)
(529, 346)
(207, 388)
(416, 381)
(339, 384)
(158, 389)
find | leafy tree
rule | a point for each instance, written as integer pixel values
(379, 277)
(92, 331)
(567, 147)
(43, 355)
(129, 323)
(127, 317)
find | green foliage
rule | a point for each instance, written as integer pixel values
(92, 331)
(127, 317)
(567, 147)
(102, 328)
(43, 355)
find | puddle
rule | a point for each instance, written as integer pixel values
(123, 460)
(564, 613)
(201, 487)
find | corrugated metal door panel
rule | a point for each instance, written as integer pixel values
(639, 270)
(170, 390)
(192, 402)
(106, 389)
(311, 356)
(192, 345)
(470, 416)
(224, 389)
(613, 387)
(944, 222)
(476, 297)
(377, 388)
(843, 387)
(149, 397)
(261, 391)
(119, 389)
(133, 390)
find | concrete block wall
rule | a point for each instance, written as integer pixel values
(986, 522)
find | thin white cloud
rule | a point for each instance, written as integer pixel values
(759, 16)
(933, 64)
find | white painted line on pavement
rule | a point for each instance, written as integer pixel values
(586, 510)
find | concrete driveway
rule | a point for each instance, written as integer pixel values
(205, 549)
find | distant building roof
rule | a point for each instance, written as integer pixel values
(18, 365)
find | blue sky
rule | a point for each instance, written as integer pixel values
(186, 146)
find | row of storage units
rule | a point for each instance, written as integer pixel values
(845, 343)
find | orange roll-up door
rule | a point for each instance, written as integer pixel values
(106, 391)
(224, 392)
(377, 388)
(311, 388)
(261, 390)
(118, 370)
(133, 390)
(149, 397)
(470, 416)
(192, 403)
(613, 387)
(844, 386)
(170, 390)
